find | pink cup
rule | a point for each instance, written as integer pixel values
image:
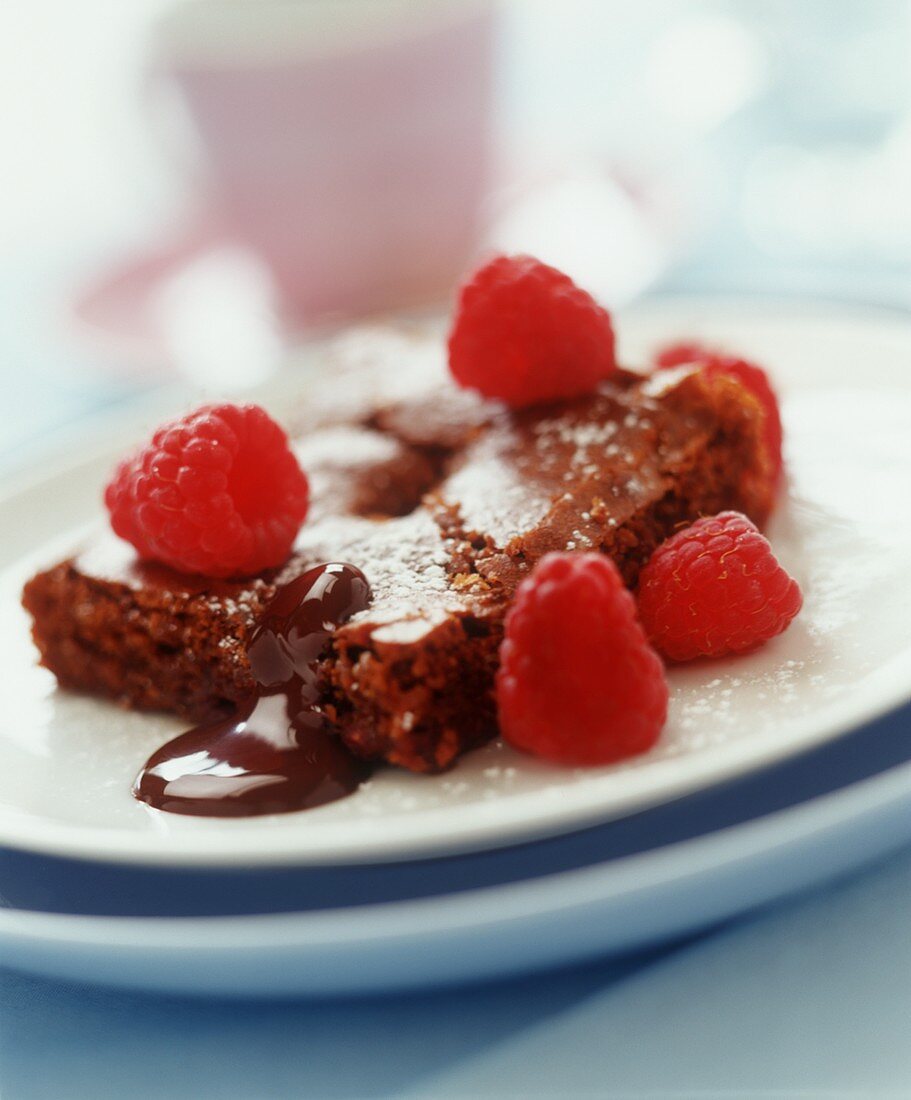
(347, 143)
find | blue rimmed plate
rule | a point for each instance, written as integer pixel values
(605, 907)
(775, 771)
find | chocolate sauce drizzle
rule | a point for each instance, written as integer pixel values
(277, 752)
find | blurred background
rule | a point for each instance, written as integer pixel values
(191, 188)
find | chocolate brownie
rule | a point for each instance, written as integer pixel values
(445, 502)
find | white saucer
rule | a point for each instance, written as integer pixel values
(607, 908)
(66, 762)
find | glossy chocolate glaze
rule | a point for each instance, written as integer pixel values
(277, 752)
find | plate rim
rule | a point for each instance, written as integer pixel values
(494, 905)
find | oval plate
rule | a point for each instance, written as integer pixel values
(66, 762)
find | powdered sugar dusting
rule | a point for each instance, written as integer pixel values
(526, 474)
(344, 447)
(403, 559)
(109, 558)
(406, 632)
(661, 382)
(579, 438)
(492, 495)
(370, 367)
(401, 364)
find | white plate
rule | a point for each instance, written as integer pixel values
(607, 908)
(66, 762)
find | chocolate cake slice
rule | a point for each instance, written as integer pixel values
(445, 502)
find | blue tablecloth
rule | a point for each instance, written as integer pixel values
(812, 998)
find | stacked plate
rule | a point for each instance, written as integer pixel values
(776, 770)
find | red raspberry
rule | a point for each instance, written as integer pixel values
(578, 681)
(750, 376)
(524, 332)
(715, 588)
(217, 492)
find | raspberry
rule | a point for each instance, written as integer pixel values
(715, 588)
(750, 376)
(218, 492)
(524, 332)
(578, 682)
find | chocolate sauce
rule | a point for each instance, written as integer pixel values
(277, 751)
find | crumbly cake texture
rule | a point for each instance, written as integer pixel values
(445, 502)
